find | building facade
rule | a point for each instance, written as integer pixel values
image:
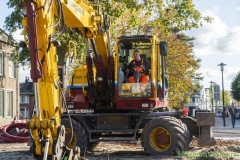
(26, 98)
(9, 88)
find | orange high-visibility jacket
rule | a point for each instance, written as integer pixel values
(143, 66)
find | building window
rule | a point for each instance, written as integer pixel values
(1, 64)
(193, 99)
(11, 69)
(1, 103)
(24, 99)
(24, 112)
(9, 104)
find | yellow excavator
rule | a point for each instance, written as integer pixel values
(100, 104)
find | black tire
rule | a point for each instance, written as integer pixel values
(188, 135)
(80, 132)
(176, 138)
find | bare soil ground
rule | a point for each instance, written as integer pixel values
(132, 151)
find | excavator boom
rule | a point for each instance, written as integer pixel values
(43, 22)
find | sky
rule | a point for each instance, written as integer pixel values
(216, 42)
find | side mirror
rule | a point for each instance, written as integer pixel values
(163, 48)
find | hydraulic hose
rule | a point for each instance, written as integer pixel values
(22, 136)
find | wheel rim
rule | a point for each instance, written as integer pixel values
(69, 144)
(160, 139)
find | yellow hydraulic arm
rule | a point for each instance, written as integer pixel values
(43, 22)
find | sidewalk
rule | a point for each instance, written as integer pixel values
(227, 132)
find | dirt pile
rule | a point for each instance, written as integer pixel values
(224, 149)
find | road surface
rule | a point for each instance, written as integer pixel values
(227, 132)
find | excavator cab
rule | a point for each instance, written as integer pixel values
(126, 88)
(129, 85)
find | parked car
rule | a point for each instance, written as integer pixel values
(218, 113)
(238, 113)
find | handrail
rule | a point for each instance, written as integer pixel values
(74, 53)
(69, 50)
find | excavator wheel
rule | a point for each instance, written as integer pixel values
(189, 136)
(165, 136)
(80, 132)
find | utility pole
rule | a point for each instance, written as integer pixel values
(212, 92)
(206, 90)
(224, 109)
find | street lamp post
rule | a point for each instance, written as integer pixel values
(206, 90)
(224, 109)
(212, 92)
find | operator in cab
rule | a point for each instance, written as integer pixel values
(142, 67)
